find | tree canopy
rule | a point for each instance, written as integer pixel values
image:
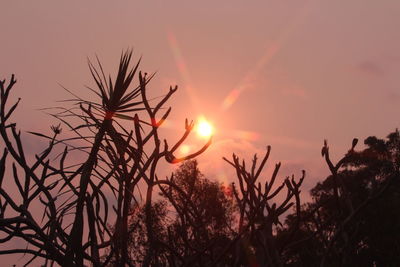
(362, 226)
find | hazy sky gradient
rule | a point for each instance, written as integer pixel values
(304, 70)
(297, 72)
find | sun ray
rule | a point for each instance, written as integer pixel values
(268, 54)
(182, 68)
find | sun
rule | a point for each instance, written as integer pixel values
(204, 128)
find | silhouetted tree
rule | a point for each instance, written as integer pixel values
(75, 226)
(354, 217)
(137, 235)
(193, 221)
(204, 217)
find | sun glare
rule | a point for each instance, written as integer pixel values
(204, 128)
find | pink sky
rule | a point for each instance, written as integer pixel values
(282, 73)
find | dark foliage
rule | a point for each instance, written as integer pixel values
(203, 221)
(361, 227)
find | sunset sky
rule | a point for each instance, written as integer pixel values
(283, 73)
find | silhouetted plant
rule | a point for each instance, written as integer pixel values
(118, 160)
(259, 212)
(204, 217)
(353, 219)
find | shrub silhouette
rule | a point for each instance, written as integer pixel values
(75, 226)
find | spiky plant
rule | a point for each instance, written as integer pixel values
(75, 225)
(116, 99)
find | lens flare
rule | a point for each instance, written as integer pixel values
(184, 149)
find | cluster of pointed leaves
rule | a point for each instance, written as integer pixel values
(116, 97)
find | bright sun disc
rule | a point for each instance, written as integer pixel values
(204, 128)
